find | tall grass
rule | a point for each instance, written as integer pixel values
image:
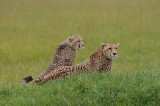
(31, 30)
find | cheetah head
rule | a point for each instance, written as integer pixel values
(77, 42)
(110, 50)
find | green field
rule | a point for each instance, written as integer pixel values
(30, 30)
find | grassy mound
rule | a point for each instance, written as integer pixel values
(88, 89)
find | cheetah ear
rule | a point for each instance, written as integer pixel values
(70, 39)
(103, 44)
(117, 44)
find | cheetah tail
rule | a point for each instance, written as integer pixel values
(27, 79)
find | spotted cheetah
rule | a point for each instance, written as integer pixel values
(64, 56)
(100, 61)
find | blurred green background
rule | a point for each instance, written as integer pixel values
(30, 30)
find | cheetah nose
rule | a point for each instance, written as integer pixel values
(114, 53)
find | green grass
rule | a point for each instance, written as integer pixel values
(30, 30)
(120, 89)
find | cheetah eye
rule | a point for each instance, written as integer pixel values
(79, 41)
(109, 48)
(116, 48)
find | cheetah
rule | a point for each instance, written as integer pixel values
(100, 61)
(64, 56)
